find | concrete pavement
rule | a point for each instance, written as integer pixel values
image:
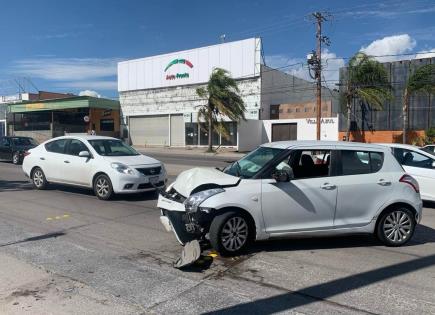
(115, 257)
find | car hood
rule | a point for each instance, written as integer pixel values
(188, 180)
(134, 160)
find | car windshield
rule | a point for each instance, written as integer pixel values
(109, 147)
(251, 164)
(24, 142)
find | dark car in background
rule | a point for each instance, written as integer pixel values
(13, 148)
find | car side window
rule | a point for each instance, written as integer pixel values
(56, 146)
(4, 142)
(355, 162)
(412, 158)
(75, 147)
(302, 164)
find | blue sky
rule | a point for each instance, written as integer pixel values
(72, 46)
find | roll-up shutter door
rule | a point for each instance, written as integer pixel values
(151, 130)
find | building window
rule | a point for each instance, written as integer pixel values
(306, 109)
(273, 112)
(298, 110)
(289, 110)
(280, 110)
(231, 140)
(203, 136)
(107, 125)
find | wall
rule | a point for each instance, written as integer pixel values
(306, 128)
(182, 99)
(40, 135)
(300, 110)
(97, 114)
(278, 87)
(249, 135)
(387, 136)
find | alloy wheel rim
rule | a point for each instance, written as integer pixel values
(234, 234)
(397, 226)
(38, 178)
(102, 187)
(15, 158)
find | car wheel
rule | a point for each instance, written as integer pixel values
(38, 179)
(231, 233)
(103, 187)
(16, 158)
(396, 226)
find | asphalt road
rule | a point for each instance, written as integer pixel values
(64, 251)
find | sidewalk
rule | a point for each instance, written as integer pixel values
(222, 152)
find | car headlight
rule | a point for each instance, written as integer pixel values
(192, 203)
(122, 168)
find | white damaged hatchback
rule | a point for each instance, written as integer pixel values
(294, 188)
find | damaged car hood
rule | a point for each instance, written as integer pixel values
(195, 177)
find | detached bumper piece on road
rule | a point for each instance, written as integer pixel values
(189, 255)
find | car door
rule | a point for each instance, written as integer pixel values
(4, 148)
(421, 166)
(362, 186)
(77, 170)
(51, 160)
(308, 200)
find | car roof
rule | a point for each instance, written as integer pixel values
(84, 137)
(295, 143)
(408, 147)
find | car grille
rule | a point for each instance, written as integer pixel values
(148, 185)
(150, 171)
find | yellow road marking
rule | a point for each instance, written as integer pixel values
(58, 217)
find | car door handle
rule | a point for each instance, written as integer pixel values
(41, 158)
(66, 161)
(328, 186)
(383, 182)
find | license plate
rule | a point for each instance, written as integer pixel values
(154, 179)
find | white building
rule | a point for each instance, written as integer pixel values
(159, 100)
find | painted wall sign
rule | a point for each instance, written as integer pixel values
(312, 121)
(184, 75)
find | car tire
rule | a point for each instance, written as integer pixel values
(103, 187)
(396, 226)
(38, 179)
(231, 233)
(16, 158)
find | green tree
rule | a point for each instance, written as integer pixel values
(367, 80)
(223, 100)
(422, 81)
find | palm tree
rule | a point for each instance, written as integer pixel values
(223, 100)
(367, 80)
(423, 80)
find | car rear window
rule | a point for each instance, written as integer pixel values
(360, 162)
(57, 146)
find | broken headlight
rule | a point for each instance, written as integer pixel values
(192, 203)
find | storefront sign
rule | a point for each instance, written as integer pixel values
(86, 118)
(325, 121)
(107, 112)
(35, 106)
(184, 75)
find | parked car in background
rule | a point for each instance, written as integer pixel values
(13, 148)
(419, 164)
(429, 148)
(107, 165)
(294, 188)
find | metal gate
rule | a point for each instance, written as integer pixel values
(2, 128)
(151, 130)
(282, 132)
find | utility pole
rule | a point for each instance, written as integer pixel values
(315, 61)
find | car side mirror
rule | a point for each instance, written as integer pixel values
(84, 154)
(281, 176)
(433, 164)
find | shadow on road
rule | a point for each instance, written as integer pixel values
(14, 185)
(324, 291)
(429, 204)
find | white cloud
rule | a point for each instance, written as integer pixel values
(66, 69)
(89, 93)
(430, 53)
(85, 85)
(390, 45)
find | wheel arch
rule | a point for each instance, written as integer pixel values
(96, 175)
(237, 209)
(394, 205)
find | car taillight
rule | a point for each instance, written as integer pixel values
(26, 153)
(408, 179)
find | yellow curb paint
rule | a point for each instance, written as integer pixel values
(49, 219)
(66, 215)
(57, 218)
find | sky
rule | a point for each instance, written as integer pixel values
(74, 46)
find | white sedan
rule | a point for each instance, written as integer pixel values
(106, 165)
(419, 164)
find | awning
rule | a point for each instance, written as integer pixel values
(66, 103)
